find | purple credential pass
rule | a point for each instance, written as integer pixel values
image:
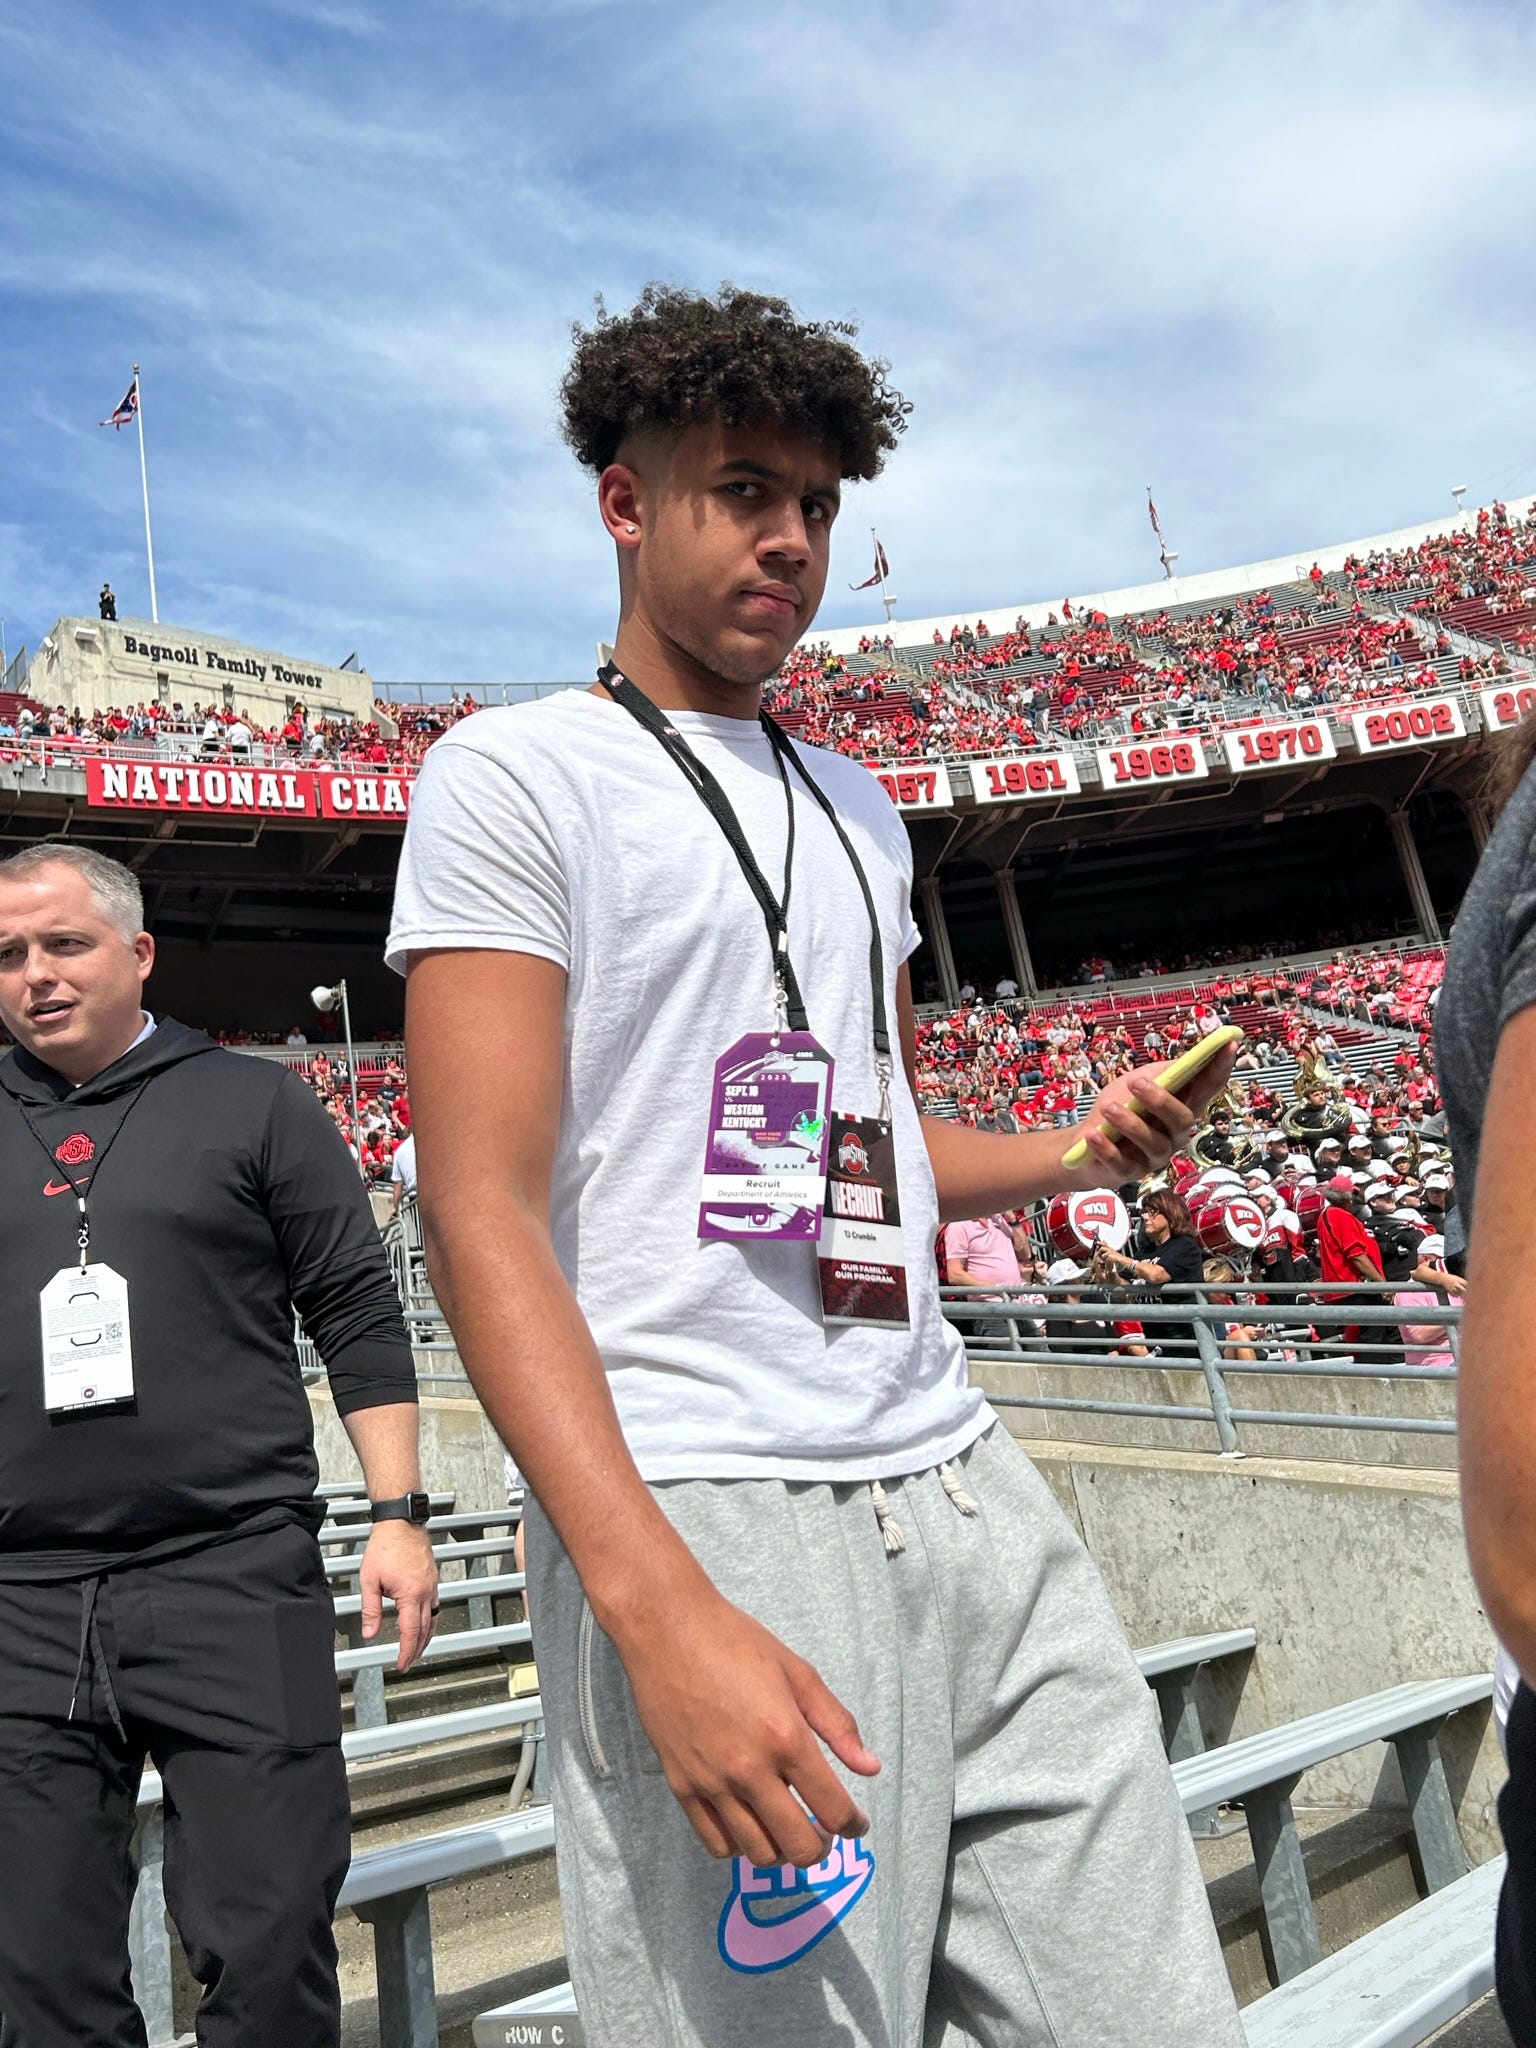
(765, 1161)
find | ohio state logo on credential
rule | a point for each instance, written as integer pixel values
(851, 1156)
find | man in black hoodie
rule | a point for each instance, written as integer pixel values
(165, 1207)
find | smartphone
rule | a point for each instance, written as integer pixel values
(1175, 1074)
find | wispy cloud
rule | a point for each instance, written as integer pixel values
(1274, 261)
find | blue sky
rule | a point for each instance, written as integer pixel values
(1272, 256)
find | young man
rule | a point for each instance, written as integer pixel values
(753, 1530)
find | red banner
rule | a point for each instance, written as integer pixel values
(245, 792)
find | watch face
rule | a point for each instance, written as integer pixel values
(421, 1507)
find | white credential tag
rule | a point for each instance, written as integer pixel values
(87, 1347)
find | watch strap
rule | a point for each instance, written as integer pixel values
(406, 1507)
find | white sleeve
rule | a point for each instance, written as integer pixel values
(480, 868)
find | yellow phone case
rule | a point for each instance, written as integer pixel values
(1175, 1074)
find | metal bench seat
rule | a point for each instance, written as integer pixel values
(1262, 1771)
(399, 1737)
(388, 1888)
(347, 1528)
(1171, 1670)
(1394, 1987)
(1184, 1653)
(453, 1593)
(445, 1553)
(1255, 1761)
(459, 1642)
(496, 2028)
(402, 1867)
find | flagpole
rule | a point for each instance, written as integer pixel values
(885, 600)
(149, 538)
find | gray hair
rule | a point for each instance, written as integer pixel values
(116, 888)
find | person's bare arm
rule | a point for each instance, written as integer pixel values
(957, 1273)
(397, 1564)
(1441, 1279)
(733, 1714)
(1497, 1391)
(978, 1173)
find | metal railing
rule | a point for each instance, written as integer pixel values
(1296, 1337)
(1299, 1337)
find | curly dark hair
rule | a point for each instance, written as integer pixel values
(740, 357)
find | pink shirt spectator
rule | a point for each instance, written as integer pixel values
(987, 1249)
(1424, 1343)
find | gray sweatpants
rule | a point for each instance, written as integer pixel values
(1028, 1879)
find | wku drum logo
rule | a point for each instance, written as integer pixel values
(774, 1916)
(1100, 1213)
(1246, 1222)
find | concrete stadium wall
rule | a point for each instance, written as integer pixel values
(460, 1452)
(1354, 1577)
(1276, 1393)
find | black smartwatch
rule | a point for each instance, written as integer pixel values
(410, 1507)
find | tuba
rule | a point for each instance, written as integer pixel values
(1245, 1153)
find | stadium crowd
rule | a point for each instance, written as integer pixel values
(1347, 1160)
(1001, 1065)
(395, 739)
(1492, 558)
(1083, 679)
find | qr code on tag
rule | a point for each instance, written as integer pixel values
(113, 1333)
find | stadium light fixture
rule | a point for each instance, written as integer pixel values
(1458, 492)
(326, 999)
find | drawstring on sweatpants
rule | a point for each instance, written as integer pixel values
(960, 1500)
(954, 1486)
(90, 1643)
(895, 1542)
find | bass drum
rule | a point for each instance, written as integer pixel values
(1216, 1184)
(1231, 1227)
(1309, 1206)
(1076, 1223)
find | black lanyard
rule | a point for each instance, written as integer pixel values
(84, 1237)
(775, 910)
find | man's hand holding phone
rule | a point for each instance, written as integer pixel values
(1137, 1123)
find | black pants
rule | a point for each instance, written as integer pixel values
(219, 1667)
(1516, 1946)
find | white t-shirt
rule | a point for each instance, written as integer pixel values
(404, 1167)
(560, 828)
